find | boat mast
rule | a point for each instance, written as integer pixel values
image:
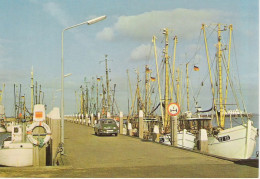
(147, 91)
(98, 79)
(229, 48)
(173, 64)
(1, 93)
(130, 88)
(211, 80)
(158, 78)
(166, 117)
(222, 115)
(77, 105)
(178, 86)
(139, 98)
(107, 81)
(187, 74)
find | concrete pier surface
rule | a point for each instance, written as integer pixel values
(87, 155)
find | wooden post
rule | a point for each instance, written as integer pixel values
(141, 124)
(174, 131)
(121, 122)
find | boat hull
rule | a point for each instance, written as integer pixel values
(17, 157)
(184, 140)
(237, 143)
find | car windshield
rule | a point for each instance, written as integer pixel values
(107, 121)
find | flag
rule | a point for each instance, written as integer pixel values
(152, 78)
(196, 68)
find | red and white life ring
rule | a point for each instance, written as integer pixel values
(47, 133)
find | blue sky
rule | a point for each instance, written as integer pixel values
(30, 35)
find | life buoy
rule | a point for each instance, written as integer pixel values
(47, 133)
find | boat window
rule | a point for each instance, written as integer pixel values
(16, 129)
(109, 122)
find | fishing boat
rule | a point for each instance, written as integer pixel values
(236, 142)
(185, 139)
(14, 152)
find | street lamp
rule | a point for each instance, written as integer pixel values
(92, 21)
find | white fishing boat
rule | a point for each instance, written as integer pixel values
(185, 139)
(236, 142)
(14, 152)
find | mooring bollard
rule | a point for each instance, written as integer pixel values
(203, 140)
(174, 139)
(92, 119)
(87, 119)
(83, 120)
(130, 130)
(156, 133)
(121, 122)
(55, 128)
(108, 115)
(141, 124)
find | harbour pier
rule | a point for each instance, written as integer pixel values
(88, 155)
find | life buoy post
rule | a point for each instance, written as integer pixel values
(38, 122)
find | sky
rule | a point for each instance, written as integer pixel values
(30, 36)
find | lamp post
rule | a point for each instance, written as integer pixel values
(92, 21)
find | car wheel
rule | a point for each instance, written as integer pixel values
(116, 134)
(95, 133)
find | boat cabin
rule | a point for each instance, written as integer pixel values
(194, 124)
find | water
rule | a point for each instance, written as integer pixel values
(237, 121)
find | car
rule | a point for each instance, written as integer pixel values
(106, 127)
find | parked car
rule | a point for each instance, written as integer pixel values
(106, 127)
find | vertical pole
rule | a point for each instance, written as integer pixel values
(187, 74)
(32, 93)
(166, 117)
(222, 120)
(97, 97)
(62, 92)
(174, 139)
(141, 124)
(146, 91)
(107, 80)
(158, 78)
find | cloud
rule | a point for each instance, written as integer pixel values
(107, 34)
(57, 12)
(185, 23)
(141, 52)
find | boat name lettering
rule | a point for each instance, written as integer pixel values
(224, 138)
